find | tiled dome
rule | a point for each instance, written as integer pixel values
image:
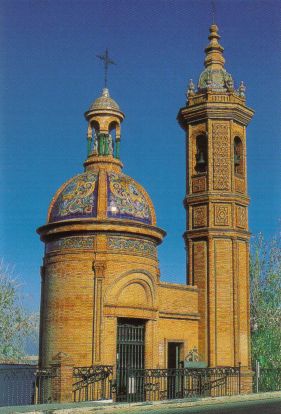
(217, 79)
(127, 199)
(78, 198)
(104, 102)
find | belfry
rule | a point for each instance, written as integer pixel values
(102, 300)
(217, 238)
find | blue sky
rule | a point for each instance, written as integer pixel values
(50, 75)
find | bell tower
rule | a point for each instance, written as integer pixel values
(217, 238)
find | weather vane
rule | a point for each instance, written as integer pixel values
(107, 61)
(213, 11)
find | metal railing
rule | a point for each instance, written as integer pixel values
(162, 384)
(44, 392)
(93, 383)
(26, 384)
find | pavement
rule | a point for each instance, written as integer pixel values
(263, 403)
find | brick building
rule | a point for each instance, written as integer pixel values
(101, 283)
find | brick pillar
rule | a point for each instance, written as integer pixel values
(62, 382)
(246, 381)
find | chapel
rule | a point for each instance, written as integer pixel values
(102, 298)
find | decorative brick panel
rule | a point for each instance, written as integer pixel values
(199, 184)
(222, 215)
(239, 185)
(241, 217)
(221, 156)
(200, 218)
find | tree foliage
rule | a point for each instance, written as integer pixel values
(265, 273)
(16, 323)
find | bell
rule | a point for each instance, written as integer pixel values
(200, 159)
(236, 159)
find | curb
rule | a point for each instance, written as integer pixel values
(107, 408)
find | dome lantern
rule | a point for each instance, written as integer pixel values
(104, 130)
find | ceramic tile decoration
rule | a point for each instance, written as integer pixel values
(127, 244)
(78, 199)
(76, 242)
(125, 199)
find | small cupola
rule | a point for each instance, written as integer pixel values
(104, 129)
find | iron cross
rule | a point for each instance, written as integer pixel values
(107, 61)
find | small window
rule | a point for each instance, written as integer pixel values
(238, 156)
(201, 156)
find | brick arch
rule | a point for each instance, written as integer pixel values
(140, 283)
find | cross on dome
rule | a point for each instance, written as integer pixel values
(107, 61)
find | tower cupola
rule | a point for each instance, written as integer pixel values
(104, 131)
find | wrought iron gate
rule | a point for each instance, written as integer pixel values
(130, 355)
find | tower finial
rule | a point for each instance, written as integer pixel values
(214, 51)
(107, 61)
(213, 6)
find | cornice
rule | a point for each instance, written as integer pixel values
(216, 197)
(215, 110)
(59, 228)
(169, 285)
(177, 315)
(217, 232)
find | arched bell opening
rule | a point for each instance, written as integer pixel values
(201, 156)
(238, 156)
(114, 136)
(95, 127)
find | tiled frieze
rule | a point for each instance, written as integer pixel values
(131, 245)
(75, 242)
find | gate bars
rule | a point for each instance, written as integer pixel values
(130, 353)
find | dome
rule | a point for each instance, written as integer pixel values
(78, 198)
(218, 80)
(104, 102)
(127, 199)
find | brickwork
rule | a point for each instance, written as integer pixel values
(216, 203)
(247, 382)
(85, 292)
(62, 382)
(223, 273)
(101, 240)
